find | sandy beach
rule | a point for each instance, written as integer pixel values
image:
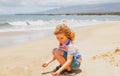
(99, 46)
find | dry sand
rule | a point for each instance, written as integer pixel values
(99, 46)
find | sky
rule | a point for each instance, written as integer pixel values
(31, 6)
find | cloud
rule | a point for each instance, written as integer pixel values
(15, 6)
(50, 3)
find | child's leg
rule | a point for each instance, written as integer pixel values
(59, 55)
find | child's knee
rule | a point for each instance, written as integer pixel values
(54, 51)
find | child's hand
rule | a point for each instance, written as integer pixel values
(45, 65)
(55, 74)
(80, 60)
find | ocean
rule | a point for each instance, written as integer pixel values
(32, 27)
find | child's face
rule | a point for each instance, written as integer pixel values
(61, 38)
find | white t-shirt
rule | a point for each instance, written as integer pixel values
(70, 49)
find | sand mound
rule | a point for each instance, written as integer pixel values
(110, 57)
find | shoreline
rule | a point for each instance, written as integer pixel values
(9, 38)
(17, 37)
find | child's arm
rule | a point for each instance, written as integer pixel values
(80, 60)
(48, 62)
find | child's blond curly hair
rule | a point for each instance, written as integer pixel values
(63, 28)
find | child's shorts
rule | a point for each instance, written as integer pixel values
(75, 63)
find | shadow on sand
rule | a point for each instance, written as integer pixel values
(75, 71)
